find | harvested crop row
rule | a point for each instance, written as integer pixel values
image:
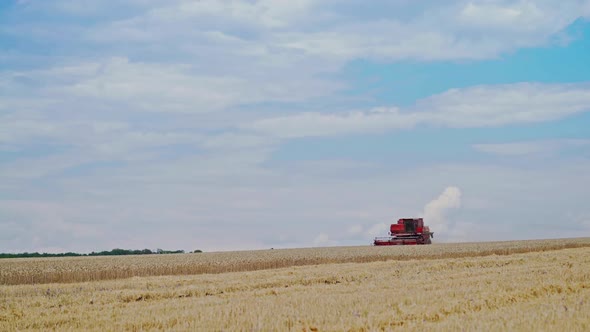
(79, 269)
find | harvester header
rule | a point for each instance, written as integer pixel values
(406, 231)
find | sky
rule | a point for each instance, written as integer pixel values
(256, 124)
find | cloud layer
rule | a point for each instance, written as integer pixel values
(481, 106)
(138, 123)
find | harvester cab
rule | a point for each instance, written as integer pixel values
(406, 231)
(410, 225)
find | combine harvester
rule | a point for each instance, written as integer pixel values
(406, 231)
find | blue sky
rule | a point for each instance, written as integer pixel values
(222, 125)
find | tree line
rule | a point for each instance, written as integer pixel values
(114, 252)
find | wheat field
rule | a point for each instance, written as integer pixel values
(461, 287)
(79, 269)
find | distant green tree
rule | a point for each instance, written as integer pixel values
(114, 252)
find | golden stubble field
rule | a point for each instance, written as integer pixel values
(544, 287)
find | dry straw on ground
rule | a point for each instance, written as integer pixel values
(538, 290)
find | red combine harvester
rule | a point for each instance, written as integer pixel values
(406, 231)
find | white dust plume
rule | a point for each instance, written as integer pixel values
(435, 212)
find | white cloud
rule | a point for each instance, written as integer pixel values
(443, 33)
(319, 124)
(500, 16)
(506, 104)
(270, 14)
(480, 106)
(120, 83)
(46, 224)
(231, 141)
(185, 205)
(23, 127)
(512, 149)
(161, 90)
(199, 56)
(542, 147)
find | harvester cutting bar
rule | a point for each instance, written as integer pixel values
(392, 241)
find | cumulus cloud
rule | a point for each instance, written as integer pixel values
(199, 56)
